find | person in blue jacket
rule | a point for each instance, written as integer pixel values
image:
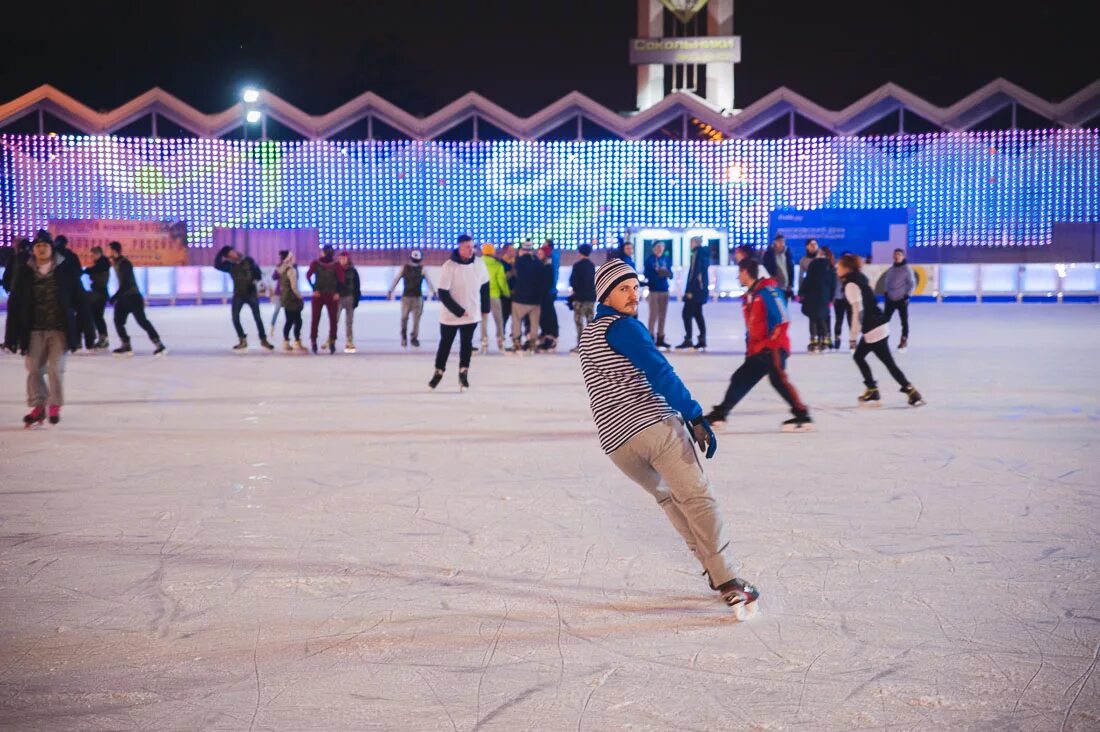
(649, 424)
(658, 270)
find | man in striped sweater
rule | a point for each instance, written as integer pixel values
(647, 423)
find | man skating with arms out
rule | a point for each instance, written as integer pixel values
(648, 425)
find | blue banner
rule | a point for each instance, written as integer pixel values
(840, 229)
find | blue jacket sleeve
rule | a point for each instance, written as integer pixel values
(773, 307)
(630, 338)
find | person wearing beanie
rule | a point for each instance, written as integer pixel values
(291, 298)
(658, 270)
(99, 273)
(128, 300)
(767, 349)
(350, 295)
(869, 324)
(696, 294)
(43, 325)
(325, 275)
(527, 297)
(277, 292)
(412, 297)
(900, 284)
(498, 288)
(649, 424)
(582, 301)
(464, 296)
(245, 273)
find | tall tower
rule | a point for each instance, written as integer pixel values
(685, 55)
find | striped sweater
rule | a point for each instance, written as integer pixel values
(631, 386)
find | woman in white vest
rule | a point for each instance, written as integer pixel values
(649, 424)
(462, 286)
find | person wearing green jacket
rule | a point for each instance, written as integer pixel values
(498, 288)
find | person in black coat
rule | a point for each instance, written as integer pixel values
(245, 273)
(816, 291)
(18, 254)
(99, 274)
(128, 300)
(696, 294)
(45, 321)
(350, 295)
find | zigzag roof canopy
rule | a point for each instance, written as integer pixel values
(964, 114)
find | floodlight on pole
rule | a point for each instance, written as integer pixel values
(254, 116)
(250, 95)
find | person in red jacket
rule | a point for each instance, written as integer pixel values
(768, 346)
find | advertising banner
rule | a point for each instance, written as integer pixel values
(144, 243)
(840, 229)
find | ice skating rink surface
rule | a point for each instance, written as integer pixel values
(296, 542)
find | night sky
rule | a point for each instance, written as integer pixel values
(522, 54)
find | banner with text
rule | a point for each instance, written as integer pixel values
(687, 50)
(840, 229)
(145, 243)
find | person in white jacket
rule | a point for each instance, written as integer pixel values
(463, 290)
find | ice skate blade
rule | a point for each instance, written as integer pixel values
(746, 611)
(871, 405)
(920, 403)
(128, 354)
(792, 428)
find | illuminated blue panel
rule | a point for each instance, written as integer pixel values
(976, 189)
(958, 278)
(1082, 278)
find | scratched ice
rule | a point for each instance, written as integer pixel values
(274, 541)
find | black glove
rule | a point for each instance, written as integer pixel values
(569, 302)
(111, 300)
(704, 436)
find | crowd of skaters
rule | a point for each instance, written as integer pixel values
(486, 285)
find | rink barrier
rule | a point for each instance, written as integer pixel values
(1071, 282)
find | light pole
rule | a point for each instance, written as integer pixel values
(253, 114)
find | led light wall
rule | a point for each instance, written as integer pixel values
(965, 189)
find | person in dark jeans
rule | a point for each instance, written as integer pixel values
(767, 346)
(128, 300)
(548, 314)
(99, 274)
(464, 294)
(900, 284)
(696, 292)
(869, 324)
(245, 273)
